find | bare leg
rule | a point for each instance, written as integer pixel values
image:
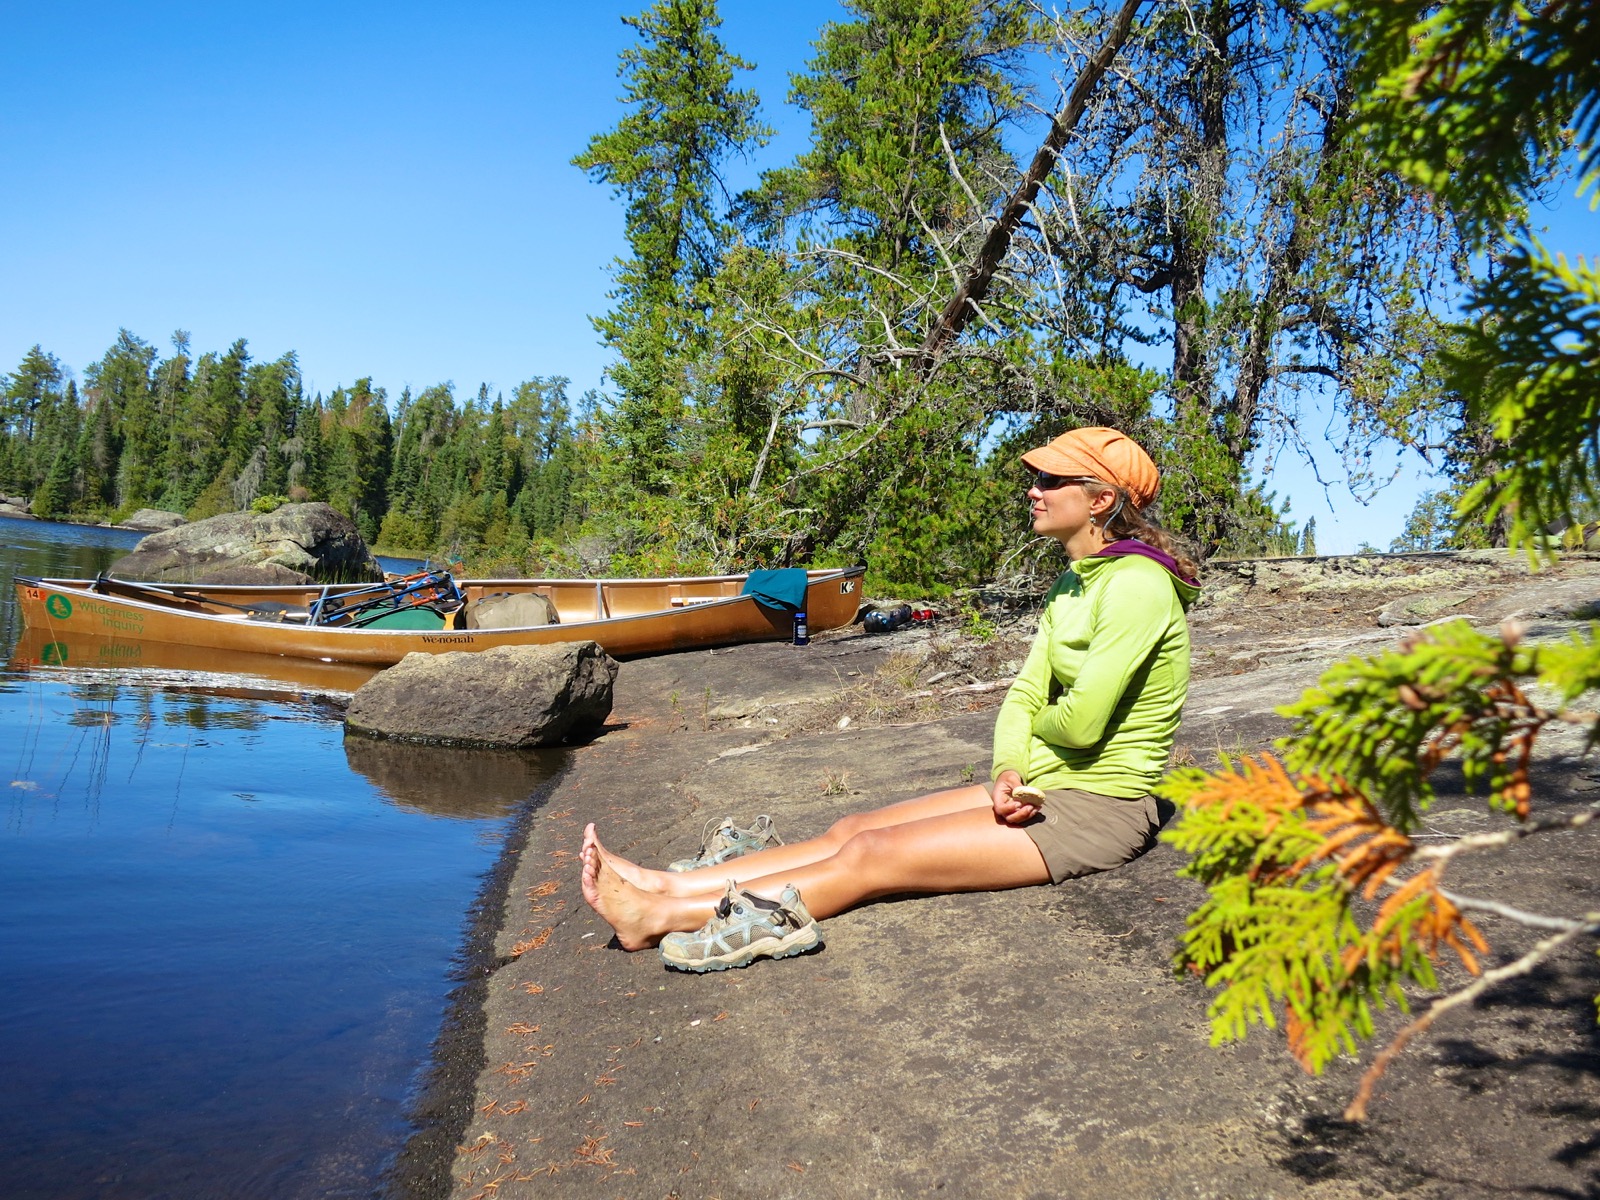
(791, 856)
(963, 851)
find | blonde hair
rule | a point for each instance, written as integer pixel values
(1126, 521)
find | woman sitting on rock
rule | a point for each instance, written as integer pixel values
(1084, 733)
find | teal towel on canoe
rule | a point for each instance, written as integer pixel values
(784, 588)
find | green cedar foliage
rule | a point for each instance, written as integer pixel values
(1529, 367)
(1289, 852)
(1481, 101)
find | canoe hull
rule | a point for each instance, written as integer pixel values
(638, 617)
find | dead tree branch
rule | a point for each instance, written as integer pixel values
(964, 303)
(1357, 1110)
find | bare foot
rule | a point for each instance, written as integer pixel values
(657, 883)
(630, 912)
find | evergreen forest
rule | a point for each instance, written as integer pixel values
(1008, 221)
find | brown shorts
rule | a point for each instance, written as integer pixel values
(1079, 833)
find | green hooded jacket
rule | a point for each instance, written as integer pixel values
(1096, 705)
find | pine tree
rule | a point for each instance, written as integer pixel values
(30, 400)
(359, 452)
(199, 443)
(874, 209)
(664, 158)
(1308, 538)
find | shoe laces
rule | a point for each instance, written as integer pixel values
(713, 829)
(774, 908)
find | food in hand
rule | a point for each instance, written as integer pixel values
(1026, 794)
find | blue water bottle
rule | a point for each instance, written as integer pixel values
(802, 633)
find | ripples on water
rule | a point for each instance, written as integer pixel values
(225, 936)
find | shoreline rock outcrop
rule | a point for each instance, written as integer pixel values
(295, 544)
(153, 520)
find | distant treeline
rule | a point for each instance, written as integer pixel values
(492, 475)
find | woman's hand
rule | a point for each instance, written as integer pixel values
(1007, 807)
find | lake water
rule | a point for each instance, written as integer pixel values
(227, 938)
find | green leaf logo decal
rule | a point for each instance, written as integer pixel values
(59, 607)
(54, 654)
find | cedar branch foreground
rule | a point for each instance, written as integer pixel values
(1469, 102)
(1032, 1042)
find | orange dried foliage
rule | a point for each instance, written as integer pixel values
(1443, 921)
(1295, 1030)
(532, 943)
(1373, 847)
(544, 889)
(1525, 720)
(591, 1153)
(1263, 783)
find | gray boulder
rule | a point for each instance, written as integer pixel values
(298, 543)
(16, 508)
(1423, 607)
(520, 696)
(153, 520)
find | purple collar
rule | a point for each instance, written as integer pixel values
(1123, 547)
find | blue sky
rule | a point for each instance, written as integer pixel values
(383, 188)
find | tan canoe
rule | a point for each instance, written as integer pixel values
(625, 616)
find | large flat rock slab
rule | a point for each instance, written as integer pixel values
(1030, 1043)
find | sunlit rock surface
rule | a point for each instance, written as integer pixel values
(298, 543)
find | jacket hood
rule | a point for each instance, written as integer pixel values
(1188, 589)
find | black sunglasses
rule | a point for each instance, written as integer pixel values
(1047, 482)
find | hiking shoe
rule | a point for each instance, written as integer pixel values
(745, 927)
(729, 841)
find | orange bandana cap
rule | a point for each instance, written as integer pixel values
(1104, 454)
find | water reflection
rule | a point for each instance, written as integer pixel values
(158, 663)
(450, 782)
